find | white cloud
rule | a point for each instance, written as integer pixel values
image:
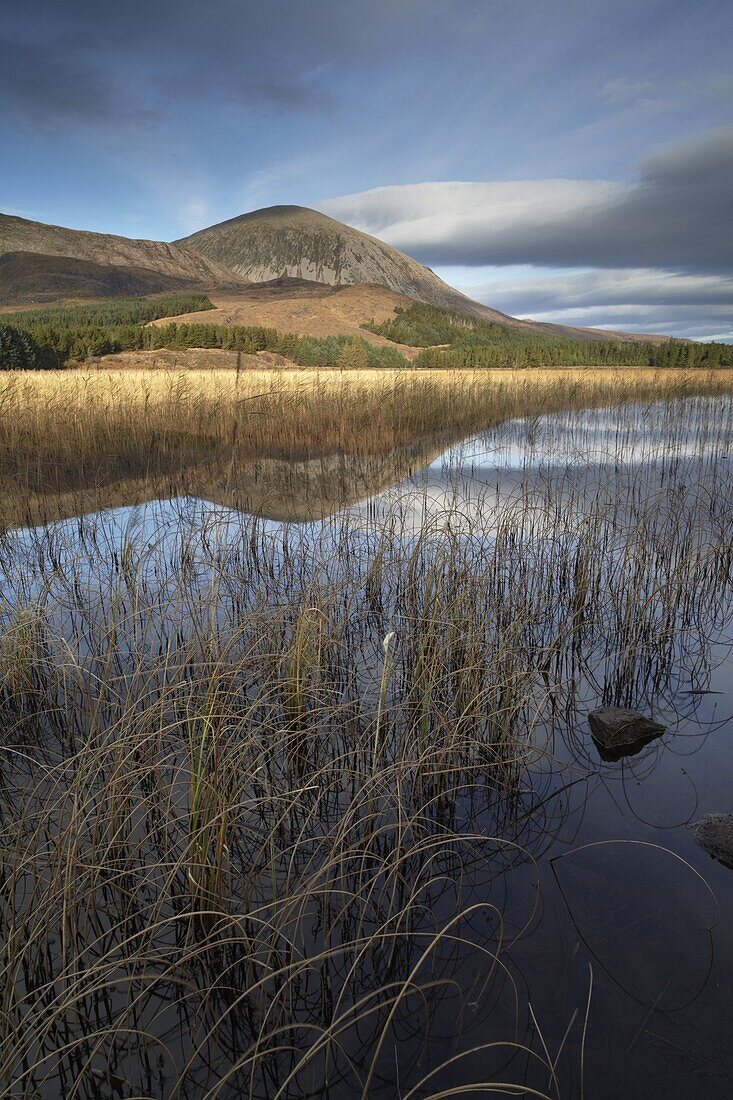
(677, 216)
(422, 215)
(615, 287)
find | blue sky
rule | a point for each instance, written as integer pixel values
(564, 159)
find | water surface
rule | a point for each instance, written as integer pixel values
(616, 928)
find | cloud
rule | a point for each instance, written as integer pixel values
(676, 216)
(620, 287)
(82, 74)
(445, 219)
(260, 87)
(42, 90)
(82, 61)
(640, 300)
(698, 322)
(622, 89)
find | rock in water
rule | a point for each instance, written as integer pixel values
(619, 732)
(714, 833)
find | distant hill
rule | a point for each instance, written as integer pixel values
(301, 243)
(297, 252)
(21, 235)
(296, 242)
(30, 278)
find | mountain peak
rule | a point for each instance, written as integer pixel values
(300, 243)
(276, 218)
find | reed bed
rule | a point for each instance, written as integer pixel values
(60, 430)
(261, 786)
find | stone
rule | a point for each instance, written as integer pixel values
(714, 833)
(619, 732)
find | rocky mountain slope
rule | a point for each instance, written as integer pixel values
(304, 244)
(21, 235)
(282, 241)
(274, 245)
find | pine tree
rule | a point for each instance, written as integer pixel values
(353, 355)
(18, 350)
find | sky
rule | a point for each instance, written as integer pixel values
(568, 160)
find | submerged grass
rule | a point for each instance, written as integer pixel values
(260, 787)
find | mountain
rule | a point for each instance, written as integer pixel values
(304, 244)
(30, 278)
(21, 235)
(294, 241)
(272, 246)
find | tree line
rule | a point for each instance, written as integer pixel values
(307, 351)
(474, 344)
(577, 353)
(59, 333)
(53, 337)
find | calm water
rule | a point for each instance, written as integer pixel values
(617, 926)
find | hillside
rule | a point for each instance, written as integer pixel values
(298, 242)
(304, 244)
(106, 249)
(30, 278)
(290, 252)
(307, 309)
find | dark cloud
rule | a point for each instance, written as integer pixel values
(677, 216)
(43, 90)
(82, 61)
(331, 28)
(255, 86)
(48, 92)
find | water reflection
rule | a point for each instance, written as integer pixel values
(554, 564)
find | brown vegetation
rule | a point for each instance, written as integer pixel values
(76, 441)
(21, 235)
(28, 278)
(307, 309)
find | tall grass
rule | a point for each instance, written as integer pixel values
(61, 432)
(259, 785)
